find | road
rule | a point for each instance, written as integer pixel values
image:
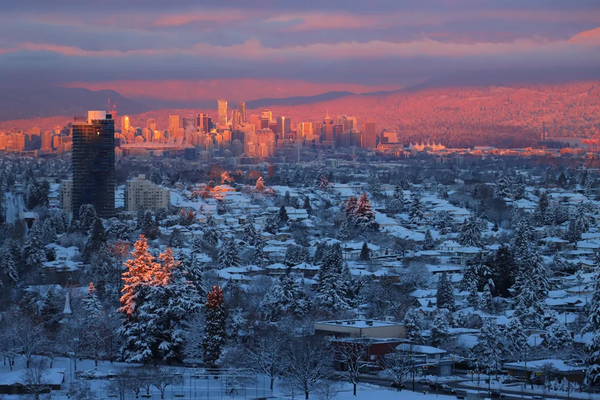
(510, 392)
(15, 205)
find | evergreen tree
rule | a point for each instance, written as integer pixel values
(416, 212)
(271, 224)
(488, 350)
(210, 235)
(445, 293)
(282, 216)
(92, 303)
(215, 333)
(487, 301)
(306, 205)
(344, 230)
(260, 185)
(87, 217)
(470, 234)
(413, 324)
(96, 238)
(473, 296)
(503, 187)
(285, 298)
(365, 252)
(331, 289)
(558, 337)
(592, 349)
(440, 327)
(249, 232)
(228, 254)
(504, 271)
(8, 266)
(33, 252)
(428, 243)
(364, 216)
(258, 257)
(540, 216)
(532, 291)
(516, 339)
(523, 239)
(348, 207)
(321, 182)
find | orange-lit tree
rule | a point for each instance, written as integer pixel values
(157, 300)
(215, 333)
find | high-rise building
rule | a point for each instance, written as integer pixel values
(189, 123)
(141, 194)
(125, 124)
(222, 104)
(370, 135)
(151, 124)
(283, 127)
(94, 163)
(242, 112)
(267, 114)
(173, 123)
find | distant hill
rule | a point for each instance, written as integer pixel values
(41, 102)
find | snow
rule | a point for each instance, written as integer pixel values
(405, 347)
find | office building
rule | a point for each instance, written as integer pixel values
(125, 124)
(222, 108)
(94, 163)
(173, 123)
(370, 135)
(242, 112)
(151, 124)
(283, 127)
(141, 194)
(66, 196)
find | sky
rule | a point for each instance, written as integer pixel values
(128, 44)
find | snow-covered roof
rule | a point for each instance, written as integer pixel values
(411, 348)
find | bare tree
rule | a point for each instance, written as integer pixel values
(35, 379)
(163, 377)
(267, 355)
(351, 353)
(308, 362)
(28, 336)
(398, 365)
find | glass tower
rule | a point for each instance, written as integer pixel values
(94, 163)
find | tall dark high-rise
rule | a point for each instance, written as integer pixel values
(94, 163)
(370, 135)
(242, 111)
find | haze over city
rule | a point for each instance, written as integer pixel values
(300, 199)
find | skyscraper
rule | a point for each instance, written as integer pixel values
(125, 124)
(151, 124)
(173, 123)
(283, 127)
(242, 112)
(222, 104)
(370, 135)
(94, 163)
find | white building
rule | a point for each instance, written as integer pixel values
(141, 194)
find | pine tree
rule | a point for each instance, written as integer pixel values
(413, 324)
(8, 267)
(516, 339)
(331, 289)
(473, 296)
(210, 235)
(140, 271)
(487, 301)
(92, 303)
(592, 349)
(258, 257)
(282, 216)
(503, 187)
(540, 216)
(523, 239)
(440, 328)
(416, 212)
(365, 253)
(344, 230)
(307, 205)
(558, 337)
(364, 216)
(87, 217)
(33, 252)
(285, 298)
(504, 271)
(488, 350)
(428, 243)
(445, 293)
(470, 234)
(249, 232)
(96, 238)
(215, 333)
(228, 254)
(532, 290)
(321, 182)
(260, 185)
(348, 207)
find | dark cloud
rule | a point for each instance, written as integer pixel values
(367, 42)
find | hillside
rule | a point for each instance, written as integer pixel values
(458, 117)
